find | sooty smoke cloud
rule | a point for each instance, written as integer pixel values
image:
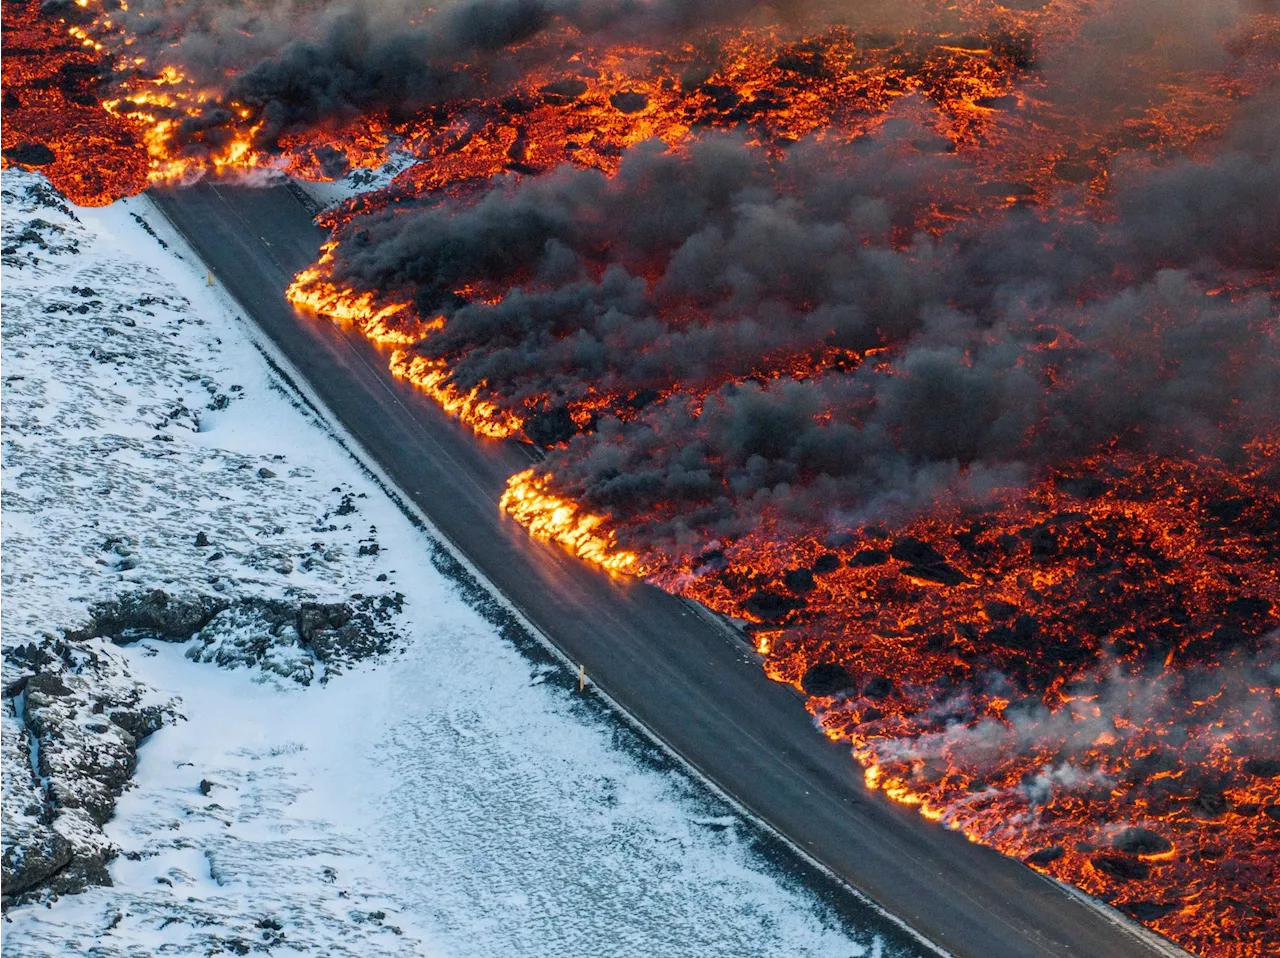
(1017, 342)
(299, 64)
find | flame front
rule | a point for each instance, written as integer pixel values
(556, 519)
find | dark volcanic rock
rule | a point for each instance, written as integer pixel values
(629, 102)
(1148, 910)
(25, 866)
(925, 563)
(1263, 767)
(150, 613)
(825, 563)
(563, 91)
(943, 573)
(79, 720)
(1210, 802)
(878, 687)
(799, 581)
(30, 154)
(1141, 841)
(1020, 635)
(869, 557)
(827, 678)
(1044, 542)
(913, 551)
(772, 606)
(1082, 487)
(1120, 868)
(1045, 855)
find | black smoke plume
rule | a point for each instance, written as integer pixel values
(1017, 342)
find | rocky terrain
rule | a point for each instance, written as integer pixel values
(105, 472)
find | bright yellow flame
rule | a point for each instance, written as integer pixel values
(556, 519)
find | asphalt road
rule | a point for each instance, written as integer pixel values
(687, 680)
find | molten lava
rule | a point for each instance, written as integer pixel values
(53, 116)
(940, 355)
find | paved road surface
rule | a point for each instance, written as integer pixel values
(689, 681)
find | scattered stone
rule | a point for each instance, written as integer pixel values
(202, 540)
(265, 473)
(55, 844)
(154, 613)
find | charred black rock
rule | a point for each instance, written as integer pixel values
(1141, 841)
(30, 154)
(998, 611)
(915, 552)
(827, 678)
(1120, 868)
(1045, 855)
(943, 574)
(563, 91)
(628, 102)
(878, 687)
(1263, 767)
(828, 562)
(772, 606)
(799, 581)
(1148, 910)
(869, 557)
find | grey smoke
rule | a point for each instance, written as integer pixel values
(688, 272)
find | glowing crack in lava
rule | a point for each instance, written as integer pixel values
(936, 342)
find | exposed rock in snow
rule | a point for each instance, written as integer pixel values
(73, 720)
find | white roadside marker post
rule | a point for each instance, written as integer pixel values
(582, 677)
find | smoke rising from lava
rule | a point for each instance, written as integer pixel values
(1019, 341)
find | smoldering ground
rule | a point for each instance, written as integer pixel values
(712, 278)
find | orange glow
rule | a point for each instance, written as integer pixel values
(556, 519)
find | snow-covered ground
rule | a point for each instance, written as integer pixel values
(443, 790)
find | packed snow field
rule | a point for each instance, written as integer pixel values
(342, 743)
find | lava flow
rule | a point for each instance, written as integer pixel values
(938, 343)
